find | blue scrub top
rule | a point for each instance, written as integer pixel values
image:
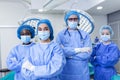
(16, 57)
(76, 67)
(103, 58)
(48, 59)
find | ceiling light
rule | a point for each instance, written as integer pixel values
(40, 10)
(99, 7)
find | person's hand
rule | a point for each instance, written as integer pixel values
(27, 74)
(13, 60)
(28, 65)
(84, 49)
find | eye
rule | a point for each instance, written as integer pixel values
(107, 34)
(22, 34)
(70, 19)
(39, 29)
(73, 19)
(27, 34)
(102, 34)
(46, 29)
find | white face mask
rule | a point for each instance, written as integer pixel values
(43, 35)
(72, 24)
(25, 38)
(105, 38)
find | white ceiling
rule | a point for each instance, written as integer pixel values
(68, 4)
(109, 6)
(79, 4)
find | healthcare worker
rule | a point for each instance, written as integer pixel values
(105, 55)
(76, 45)
(46, 59)
(96, 41)
(17, 54)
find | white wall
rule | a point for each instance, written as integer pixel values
(17, 11)
(99, 21)
(8, 40)
(9, 16)
(10, 13)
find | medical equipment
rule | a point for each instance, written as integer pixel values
(32, 22)
(86, 22)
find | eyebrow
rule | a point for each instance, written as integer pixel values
(46, 27)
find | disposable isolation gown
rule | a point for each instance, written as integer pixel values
(103, 58)
(76, 67)
(16, 58)
(48, 60)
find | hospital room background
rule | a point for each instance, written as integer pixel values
(13, 12)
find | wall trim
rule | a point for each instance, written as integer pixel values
(8, 26)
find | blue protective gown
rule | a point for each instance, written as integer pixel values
(76, 67)
(48, 60)
(103, 58)
(19, 52)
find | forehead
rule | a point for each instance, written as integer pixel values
(105, 31)
(25, 30)
(73, 16)
(43, 25)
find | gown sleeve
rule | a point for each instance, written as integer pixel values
(68, 51)
(54, 67)
(12, 62)
(110, 58)
(87, 43)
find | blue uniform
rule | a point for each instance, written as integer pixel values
(16, 57)
(103, 58)
(76, 67)
(48, 60)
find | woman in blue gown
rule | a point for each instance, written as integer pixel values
(46, 59)
(105, 55)
(17, 54)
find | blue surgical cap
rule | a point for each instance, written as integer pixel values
(108, 28)
(25, 27)
(68, 14)
(46, 21)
